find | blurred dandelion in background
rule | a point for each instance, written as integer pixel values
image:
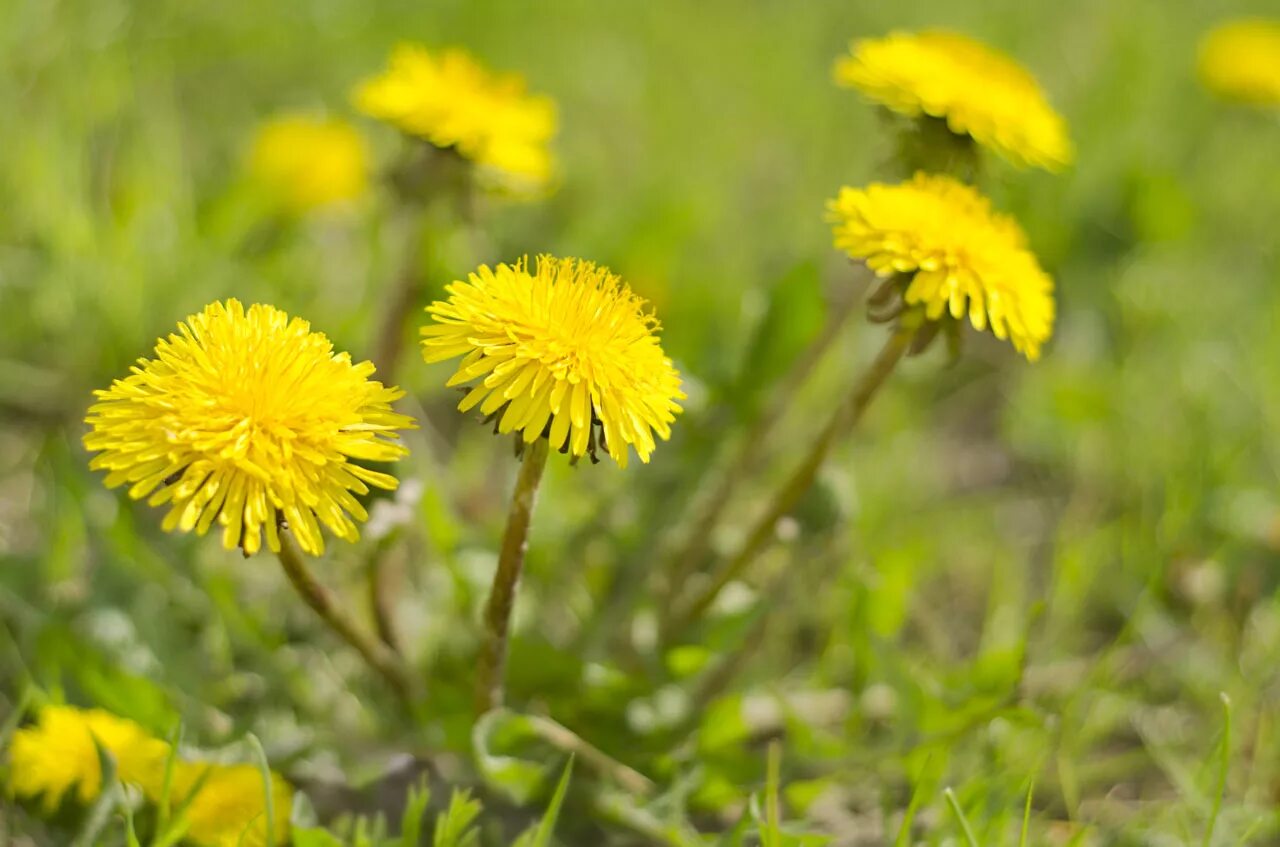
(976, 90)
(246, 416)
(953, 253)
(228, 808)
(452, 101)
(57, 754)
(306, 162)
(1240, 60)
(563, 349)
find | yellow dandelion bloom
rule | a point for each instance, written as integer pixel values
(246, 416)
(1240, 60)
(57, 754)
(229, 807)
(452, 101)
(960, 255)
(976, 90)
(306, 162)
(558, 349)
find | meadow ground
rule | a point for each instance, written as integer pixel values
(1052, 580)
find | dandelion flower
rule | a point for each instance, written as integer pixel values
(976, 90)
(452, 101)
(558, 350)
(229, 806)
(959, 254)
(1240, 60)
(246, 416)
(305, 162)
(57, 754)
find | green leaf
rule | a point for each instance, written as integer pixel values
(315, 837)
(520, 779)
(455, 825)
(415, 811)
(540, 835)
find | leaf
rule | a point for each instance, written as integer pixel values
(415, 811)
(264, 767)
(540, 835)
(454, 826)
(520, 779)
(315, 837)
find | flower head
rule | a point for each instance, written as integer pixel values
(229, 805)
(1240, 60)
(245, 416)
(960, 255)
(452, 101)
(305, 162)
(558, 349)
(57, 754)
(977, 91)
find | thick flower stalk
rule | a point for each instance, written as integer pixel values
(450, 100)
(564, 351)
(247, 418)
(304, 162)
(957, 257)
(977, 91)
(1240, 60)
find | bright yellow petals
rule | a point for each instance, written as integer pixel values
(1240, 60)
(246, 417)
(977, 91)
(962, 257)
(57, 754)
(452, 101)
(305, 162)
(229, 806)
(558, 350)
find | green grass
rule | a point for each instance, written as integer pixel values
(1013, 574)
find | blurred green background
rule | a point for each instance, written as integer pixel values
(1013, 573)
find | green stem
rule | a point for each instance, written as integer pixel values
(502, 595)
(786, 498)
(747, 458)
(322, 602)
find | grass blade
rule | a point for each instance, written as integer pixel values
(969, 837)
(1220, 790)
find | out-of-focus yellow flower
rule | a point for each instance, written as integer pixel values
(959, 254)
(57, 754)
(305, 162)
(1240, 60)
(245, 416)
(229, 807)
(558, 350)
(976, 90)
(452, 101)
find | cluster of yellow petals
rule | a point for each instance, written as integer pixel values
(562, 347)
(961, 256)
(305, 162)
(244, 416)
(452, 101)
(976, 90)
(1240, 60)
(229, 807)
(57, 754)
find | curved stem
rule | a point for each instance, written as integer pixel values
(785, 499)
(322, 602)
(497, 613)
